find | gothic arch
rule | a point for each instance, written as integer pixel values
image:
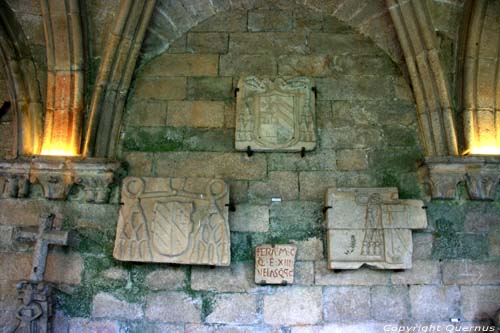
(24, 88)
(170, 20)
(479, 95)
(435, 107)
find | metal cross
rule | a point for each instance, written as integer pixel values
(44, 237)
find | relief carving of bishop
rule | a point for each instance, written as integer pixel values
(275, 115)
(175, 220)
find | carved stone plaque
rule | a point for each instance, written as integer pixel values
(175, 220)
(274, 264)
(275, 115)
(371, 226)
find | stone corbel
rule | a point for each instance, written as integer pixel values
(14, 179)
(54, 177)
(58, 175)
(441, 175)
(96, 177)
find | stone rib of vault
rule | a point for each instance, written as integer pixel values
(174, 220)
(371, 226)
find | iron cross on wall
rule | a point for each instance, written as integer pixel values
(35, 310)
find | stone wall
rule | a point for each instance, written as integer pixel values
(7, 136)
(180, 122)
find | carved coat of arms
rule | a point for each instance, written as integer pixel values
(177, 220)
(275, 115)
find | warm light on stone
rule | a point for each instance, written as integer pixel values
(58, 151)
(485, 150)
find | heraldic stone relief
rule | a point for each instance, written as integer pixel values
(371, 226)
(275, 115)
(174, 220)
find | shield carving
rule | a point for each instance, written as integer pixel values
(276, 118)
(172, 227)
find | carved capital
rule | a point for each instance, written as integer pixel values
(54, 177)
(57, 176)
(441, 175)
(14, 176)
(96, 177)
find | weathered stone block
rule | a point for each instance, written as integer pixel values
(361, 277)
(115, 273)
(177, 220)
(317, 160)
(434, 303)
(182, 65)
(195, 114)
(342, 44)
(422, 245)
(309, 20)
(78, 325)
(313, 184)
(210, 88)
(139, 164)
(106, 305)
(247, 64)
(304, 273)
(249, 218)
(306, 65)
(349, 138)
(422, 272)
(309, 249)
(352, 160)
(467, 272)
(268, 43)
(494, 242)
(269, 20)
(390, 303)
(151, 113)
(237, 278)
(207, 42)
(479, 221)
(166, 279)
(280, 184)
(297, 306)
(346, 304)
(161, 88)
(353, 88)
(296, 219)
(234, 309)
(227, 165)
(371, 226)
(480, 302)
(231, 21)
(174, 307)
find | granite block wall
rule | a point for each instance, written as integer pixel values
(179, 121)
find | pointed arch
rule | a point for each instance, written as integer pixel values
(24, 88)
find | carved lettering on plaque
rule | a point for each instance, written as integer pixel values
(275, 115)
(371, 226)
(274, 264)
(175, 220)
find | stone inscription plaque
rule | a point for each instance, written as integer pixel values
(275, 115)
(174, 220)
(371, 226)
(274, 264)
